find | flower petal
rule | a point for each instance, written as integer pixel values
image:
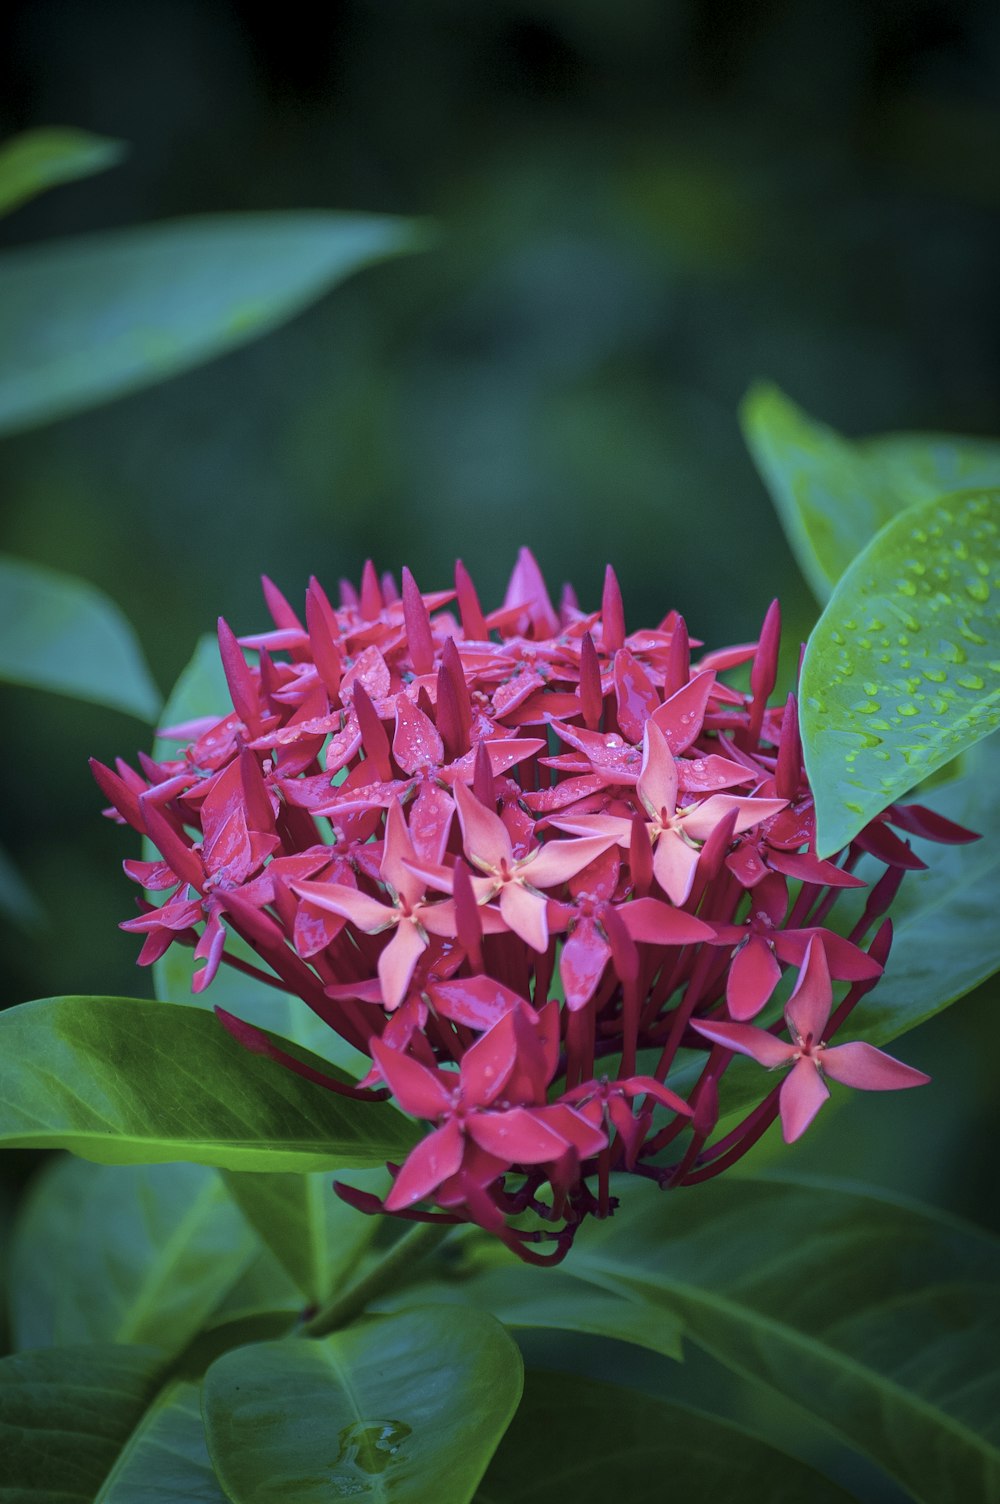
(364, 912)
(517, 1136)
(657, 785)
(753, 976)
(398, 961)
(746, 1039)
(420, 1092)
(801, 1096)
(656, 923)
(862, 1065)
(808, 1008)
(526, 914)
(557, 861)
(701, 819)
(582, 963)
(674, 864)
(435, 1158)
(487, 843)
(680, 718)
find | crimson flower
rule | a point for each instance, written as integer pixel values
(522, 859)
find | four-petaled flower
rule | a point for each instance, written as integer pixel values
(807, 1014)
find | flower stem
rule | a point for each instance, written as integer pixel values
(402, 1257)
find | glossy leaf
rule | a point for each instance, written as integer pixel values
(879, 1316)
(84, 320)
(40, 159)
(403, 1408)
(129, 1254)
(547, 1300)
(125, 1081)
(949, 911)
(65, 1415)
(578, 1439)
(165, 1460)
(317, 1237)
(60, 633)
(833, 495)
(902, 670)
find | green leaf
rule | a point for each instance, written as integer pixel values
(878, 1316)
(405, 1408)
(126, 1081)
(317, 1237)
(60, 633)
(130, 1254)
(902, 670)
(542, 1299)
(65, 1414)
(946, 940)
(579, 1439)
(41, 159)
(833, 495)
(84, 320)
(165, 1460)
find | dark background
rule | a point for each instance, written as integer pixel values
(644, 207)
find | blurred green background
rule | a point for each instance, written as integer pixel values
(643, 207)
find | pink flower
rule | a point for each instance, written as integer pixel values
(807, 1014)
(519, 858)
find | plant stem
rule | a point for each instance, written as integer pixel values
(402, 1257)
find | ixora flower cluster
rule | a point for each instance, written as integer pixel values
(521, 859)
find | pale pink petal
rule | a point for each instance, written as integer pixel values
(753, 976)
(618, 830)
(364, 912)
(656, 923)
(437, 918)
(657, 785)
(864, 1066)
(558, 861)
(680, 718)
(525, 914)
(674, 864)
(808, 1008)
(801, 1096)
(746, 1040)
(397, 962)
(420, 1092)
(434, 1159)
(487, 843)
(397, 852)
(517, 1136)
(701, 819)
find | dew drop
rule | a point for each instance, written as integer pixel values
(906, 587)
(906, 708)
(935, 675)
(978, 589)
(971, 681)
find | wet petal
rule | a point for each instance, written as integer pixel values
(434, 1159)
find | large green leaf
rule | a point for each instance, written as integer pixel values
(833, 495)
(317, 1237)
(60, 633)
(85, 320)
(165, 1460)
(126, 1081)
(902, 671)
(65, 1415)
(878, 1316)
(579, 1439)
(405, 1408)
(130, 1254)
(41, 159)
(529, 1299)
